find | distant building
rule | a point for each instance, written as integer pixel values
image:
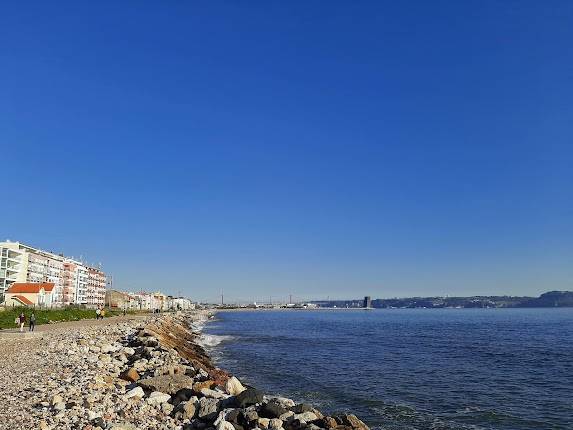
(30, 294)
(367, 302)
(117, 299)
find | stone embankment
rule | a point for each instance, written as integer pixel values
(134, 374)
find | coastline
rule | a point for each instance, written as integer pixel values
(150, 373)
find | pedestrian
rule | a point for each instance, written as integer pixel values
(32, 321)
(98, 313)
(124, 311)
(22, 321)
(102, 314)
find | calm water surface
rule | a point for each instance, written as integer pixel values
(410, 369)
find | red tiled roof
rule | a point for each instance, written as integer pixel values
(30, 287)
(23, 300)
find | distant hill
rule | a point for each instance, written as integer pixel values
(550, 299)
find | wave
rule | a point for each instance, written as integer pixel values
(211, 340)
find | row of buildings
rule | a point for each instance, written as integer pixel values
(147, 301)
(65, 281)
(33, 277)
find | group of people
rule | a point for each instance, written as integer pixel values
(21, 320)
(100, 313)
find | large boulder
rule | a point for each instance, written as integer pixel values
(249, 397)
(353, 421)
(234, 387)
(328, 423)
(275, 424)
(272, 409)
(208, 408)
(190, 408)
(306, 416)
(169, 384)
(301, 407)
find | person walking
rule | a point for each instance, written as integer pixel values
(98, 313)
(32, 321)
(22, 319)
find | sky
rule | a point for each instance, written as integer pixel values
(307, 148)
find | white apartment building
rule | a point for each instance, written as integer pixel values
(12, 267)
(74, 282)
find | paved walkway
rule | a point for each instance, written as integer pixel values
(39, 329)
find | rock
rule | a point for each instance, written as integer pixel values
(167, 408)
(263, 423)
(123, 427)
(60, 406)
(354, 422)
(272, 409)
(107, 348)
(306, 416)
(212, 393)
(224, 425)
(208, 408)
(57, 399)
(130, 375)
(328, 423)
(91, 415)
(190, 408)
(169, 384)
(99, 422)
(128, 351)
(136, 392)
(302, 407)
(105, 358)
(157, 398)
(234, 387)
(286, 416)
(283, 401)
(251, 416)
(233, 416)
(249, 397)
(184, 394)
(275, 424)
(198, 386)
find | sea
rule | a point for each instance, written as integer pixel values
(506, 369)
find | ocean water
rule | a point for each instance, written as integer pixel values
(412, 368)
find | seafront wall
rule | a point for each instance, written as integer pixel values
(150, 374)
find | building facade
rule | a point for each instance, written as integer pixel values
(75, 283)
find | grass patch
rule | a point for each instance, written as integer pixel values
(44, 316)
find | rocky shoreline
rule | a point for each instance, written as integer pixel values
(139, 374)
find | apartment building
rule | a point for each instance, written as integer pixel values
(74, 281)
(96, 287)
(12, 267)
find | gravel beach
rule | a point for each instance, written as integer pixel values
(135, 373)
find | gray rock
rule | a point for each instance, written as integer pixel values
(208, 408)
(169, 384)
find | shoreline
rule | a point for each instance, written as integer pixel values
(137, 374)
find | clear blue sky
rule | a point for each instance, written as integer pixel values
(313, 148)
